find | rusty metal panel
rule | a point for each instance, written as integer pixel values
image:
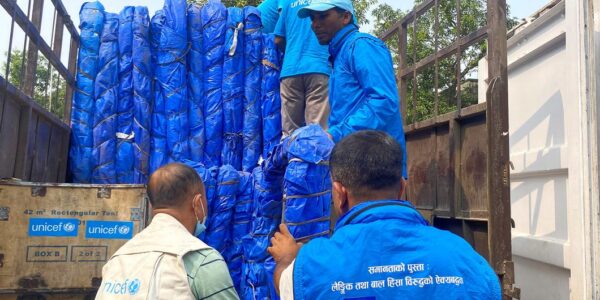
(422, 169)
(473, 168)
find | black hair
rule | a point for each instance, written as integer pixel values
(367, 161)
(172, 184)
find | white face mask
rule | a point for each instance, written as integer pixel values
(200, 225)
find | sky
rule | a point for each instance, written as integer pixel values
(518, 8)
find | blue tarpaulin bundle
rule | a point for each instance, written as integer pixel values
(195, 84)
(214, 25)
(124, 159)
(82, 115)
(233, 89)
(219, 227)
(252, 88)
(307, 183)
(142, 94)
(106, 90)
(241, 226)
(158, 141)
(171, 74)
(271, 100)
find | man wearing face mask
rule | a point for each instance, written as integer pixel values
(166, 260)
(382, 248)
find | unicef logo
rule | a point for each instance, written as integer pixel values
(124, 229)
(69, 227)
(134, 286)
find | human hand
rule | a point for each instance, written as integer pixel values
(284, 248)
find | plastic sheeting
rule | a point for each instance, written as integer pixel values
(241, 226)
(142, 94)
(171, 74)
(124, 160)
(270, 97)
(158, 141)
(233, 89)
(307, 183)
(106, 90)
(214, 25)
(252, 88)
(82, 114)
(219, 226)
(266, 216)
(195, 84)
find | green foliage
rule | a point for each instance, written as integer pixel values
(454, 77)
(49, 87)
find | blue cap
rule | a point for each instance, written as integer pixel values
(323, 5)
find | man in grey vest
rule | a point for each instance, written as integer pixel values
(166, 260)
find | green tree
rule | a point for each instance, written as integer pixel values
(422, 43)
(49, 87)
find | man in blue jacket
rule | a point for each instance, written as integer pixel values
(382, 248)
(362, 86)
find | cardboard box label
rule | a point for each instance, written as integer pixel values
(89, 253)
(108, 229)
(53, 227)
(47, 253)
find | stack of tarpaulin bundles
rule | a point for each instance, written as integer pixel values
(191, 82)
(199, 84)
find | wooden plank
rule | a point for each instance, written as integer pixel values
(454, 154)
(58, 36)
(54, 155)
(32, 50)
(34, 35)
(43, 134)
(498, 181)
(63, 156)
(66, 19)
(422, 169)
(9, 133)
(473, 165)
(73, 52)
(444, 171)
(403, 48)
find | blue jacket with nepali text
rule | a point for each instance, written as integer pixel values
(385, 250)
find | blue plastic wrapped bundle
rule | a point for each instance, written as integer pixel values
(158, 141)
(124, 157)
(241, 226)
(172, 77)
(142, 95)
(266, 216)
(195, 84)
(214, 25)
(219, 226)
(106, 90)
(307, 183)
(270, 98)
(252, 88)
(233, 89)
(209, 179)
(82, 114)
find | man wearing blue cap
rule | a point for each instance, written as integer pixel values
(362, 87)
(382, 247)
(305, 71)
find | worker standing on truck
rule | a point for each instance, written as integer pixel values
(305, 71)
(166, 260)
(382, 247)
(362, 87)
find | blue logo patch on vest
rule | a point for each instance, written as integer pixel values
(109, 230)
(126, 287)
(53, 227)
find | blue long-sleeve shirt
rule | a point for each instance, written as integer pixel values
(362, 88)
